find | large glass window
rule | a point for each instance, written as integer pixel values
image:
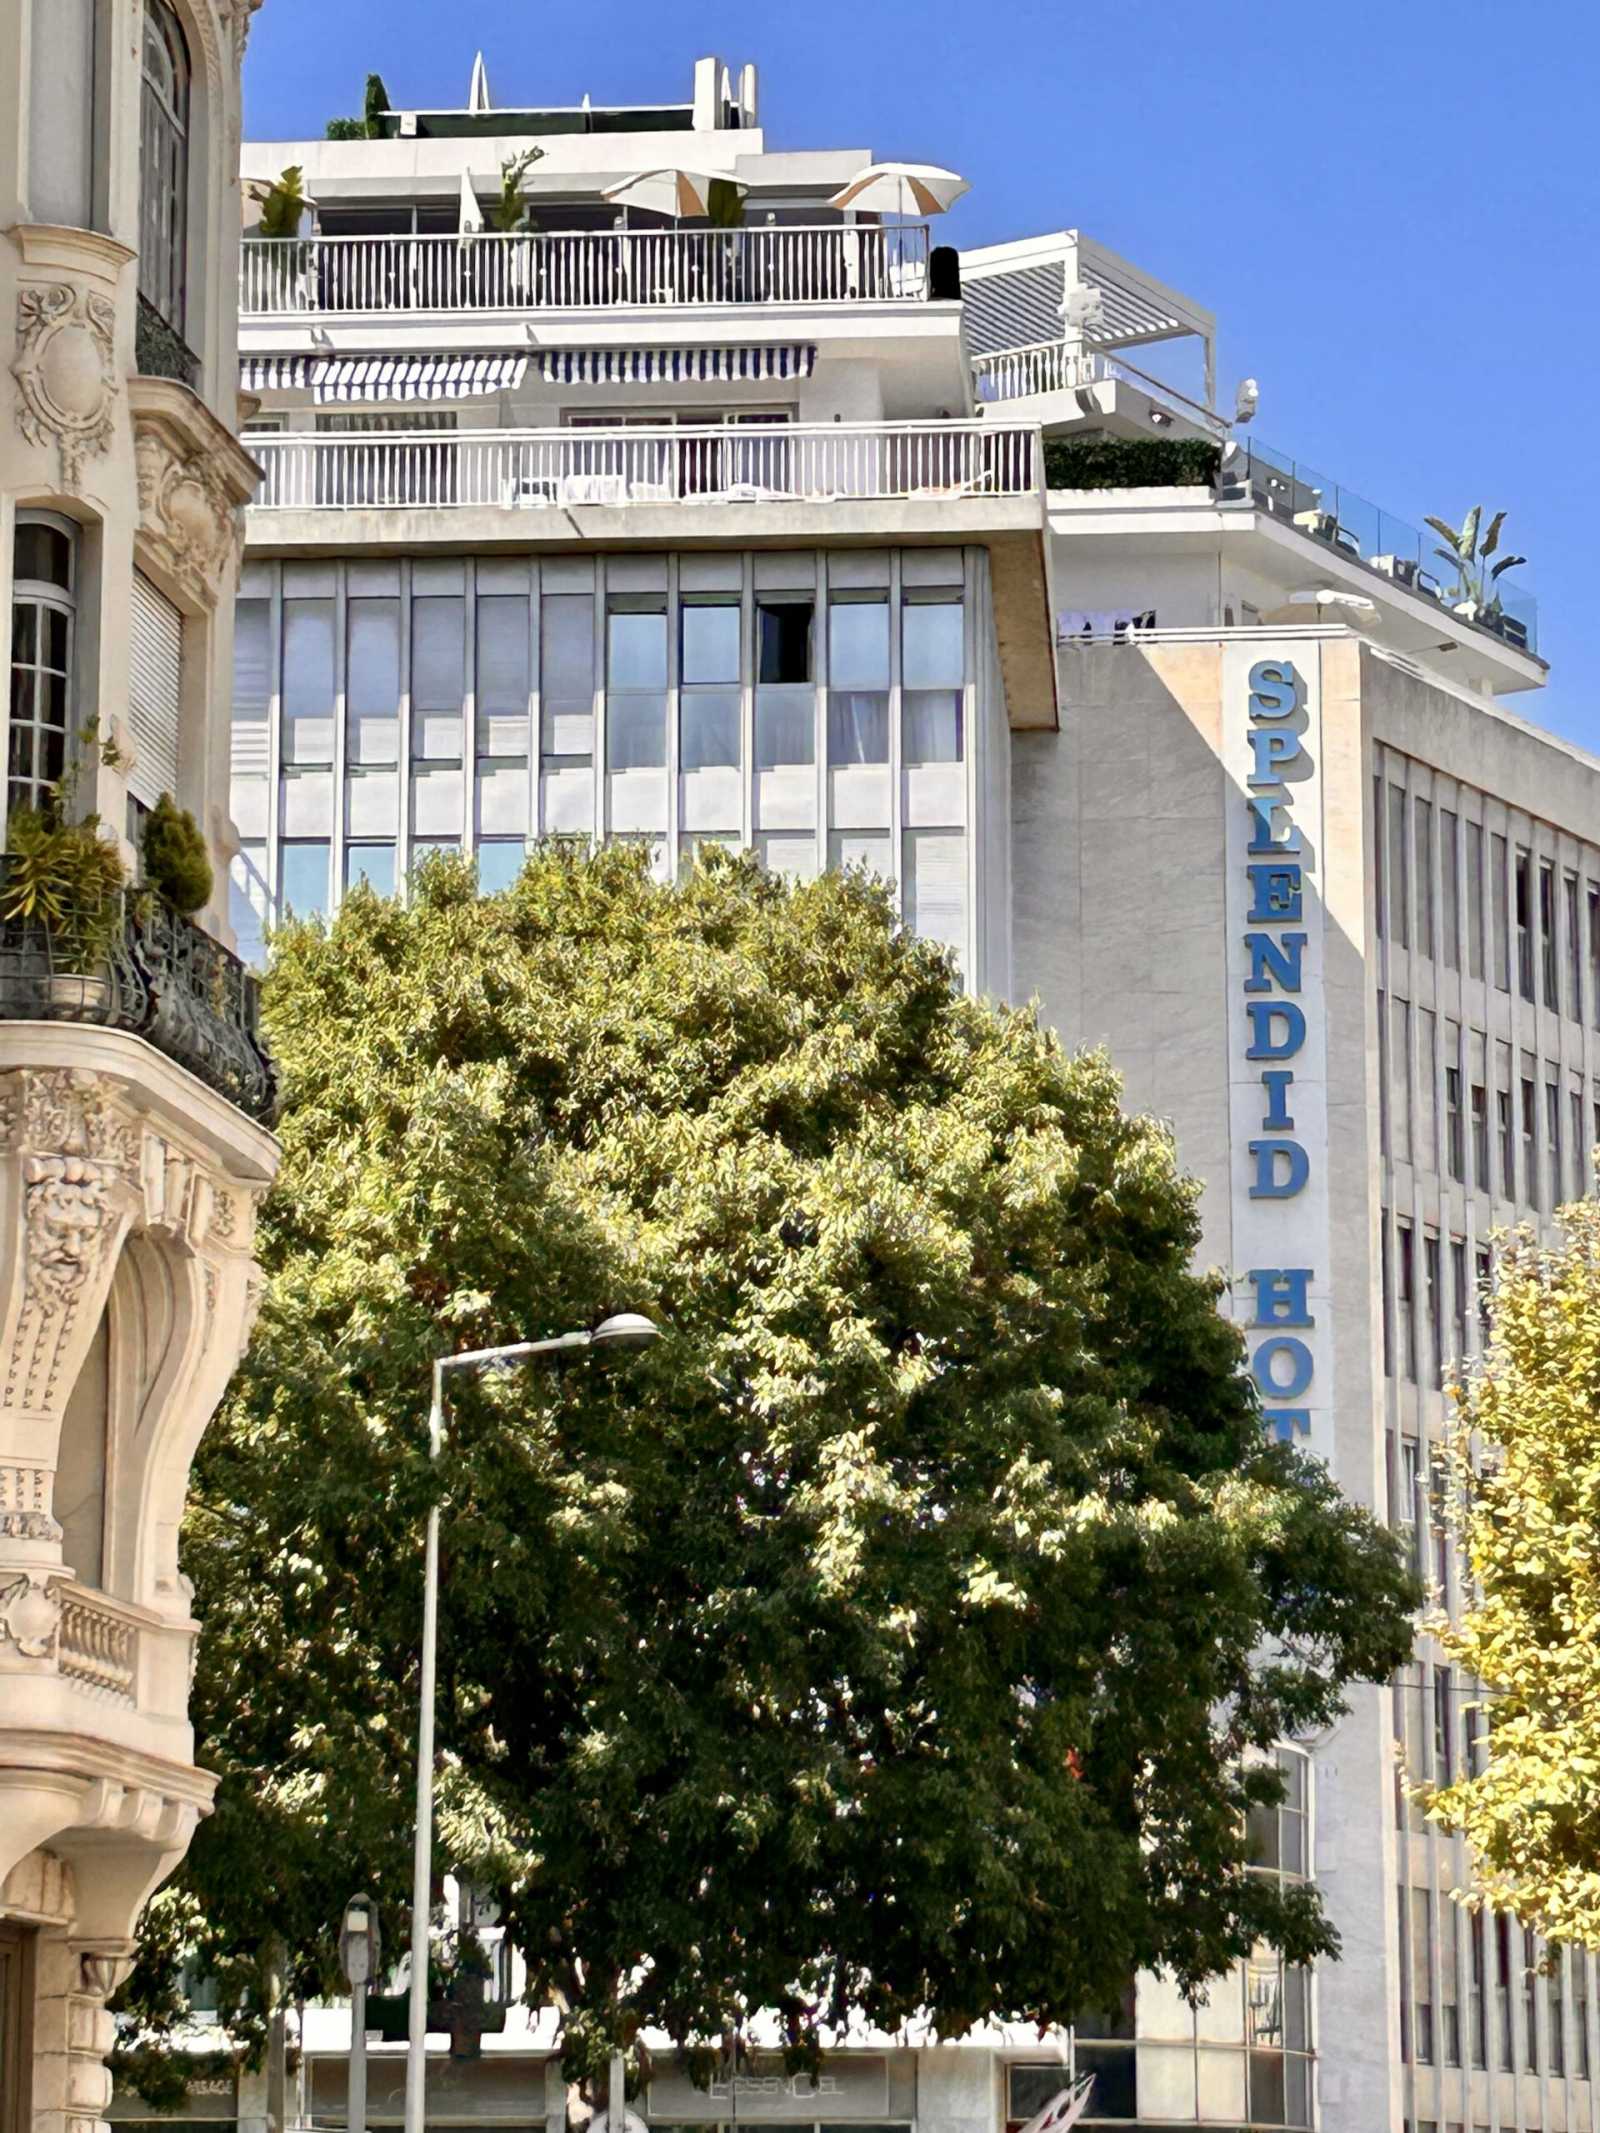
(308, 681)
(499, 862)
(785, 695)
(708, 673)
(858, 680)
(303, 877)
(1475, 899)
(371, 863)
(43, 614)
(566, 674)
(438, 675)
(503, 661)
(372, 680)
(932, 669)
(164, 163)
(636, 684)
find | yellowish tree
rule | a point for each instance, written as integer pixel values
(1527, 1510)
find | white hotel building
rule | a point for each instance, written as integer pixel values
(780, 536)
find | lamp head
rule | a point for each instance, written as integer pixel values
(625, 1329)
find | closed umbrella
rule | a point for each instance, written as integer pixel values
(671, 191)
(471, 213)
(901, 189)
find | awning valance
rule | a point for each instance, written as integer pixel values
(663, 366)
(387, 377)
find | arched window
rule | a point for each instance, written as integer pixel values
(43, 615)
(164, 163)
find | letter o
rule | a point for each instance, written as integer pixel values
(1298, 1356)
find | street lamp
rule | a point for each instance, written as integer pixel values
(360, 1953)
(624, 1329)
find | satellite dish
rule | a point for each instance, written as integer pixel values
(1083, 308)
(1246, 400)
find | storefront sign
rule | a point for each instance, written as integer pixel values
(1277, 1039)
(848, 2085)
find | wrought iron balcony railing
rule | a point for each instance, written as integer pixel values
(161, 978)
(160, 350)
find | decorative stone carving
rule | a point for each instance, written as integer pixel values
(70, 1210)
(25, 1504)
(237, 13)
(66, 372)
(186, 512)
(30, 1615)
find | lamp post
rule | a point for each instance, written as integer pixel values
(626, 1329)
(359, 1956)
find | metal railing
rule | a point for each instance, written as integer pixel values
(1253, 473)
(158, 977)
(730, 463)
(159, 349)
(97, 1647)
(1056, 367)
(583, 270)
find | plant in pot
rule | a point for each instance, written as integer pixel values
(1476, 592)
(66, 879)
(177, 866)
(282, 203)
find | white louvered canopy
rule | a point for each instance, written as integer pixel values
(656, 366)
(335, 379)
(155, 688)
(1013, 296)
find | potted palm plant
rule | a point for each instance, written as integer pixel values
(64, 883)
(1475, 594)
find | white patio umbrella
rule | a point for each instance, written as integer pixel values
(671, 191)
(901, 189)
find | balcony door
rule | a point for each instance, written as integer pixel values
(16, 2008)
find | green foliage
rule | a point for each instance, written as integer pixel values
(176, 863)
(345, 129)
(509, 211)
(66, 876)
(1468, 557)
(1129, 462)
(282, 203)
(897, 1632)
(374, 110)
(1527, 1512)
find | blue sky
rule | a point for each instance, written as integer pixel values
(1393, 210)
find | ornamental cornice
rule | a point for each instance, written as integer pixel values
(66, 372)
(64, 250)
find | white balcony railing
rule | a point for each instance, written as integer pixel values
(1057, 367)
(590, 269)
(732, 463)
(98, 1646)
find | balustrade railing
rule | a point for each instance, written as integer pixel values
(1057, 366)
(157, 976)
(583, 270)
(731, 463)
(97, 1647)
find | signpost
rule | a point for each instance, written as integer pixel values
(360, 1950)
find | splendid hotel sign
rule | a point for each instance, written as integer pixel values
(1277, 1039)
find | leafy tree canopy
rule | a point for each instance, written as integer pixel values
(896, 1633)
(1527, 1509)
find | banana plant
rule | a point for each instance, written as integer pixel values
(510, 212)
(282, 203)
(1468, 557)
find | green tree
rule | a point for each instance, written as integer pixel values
(1526, 1505)
(897, 1633)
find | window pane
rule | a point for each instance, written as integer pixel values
(858, 727)
(42, 554)
(438, 652)
(303, 879)
(710, 642)
(307, 658)
(252, 661)
(503, 663)
(858, 644)
(499, 863)
(636, 649)
(785, 728)
(24, 633)
(932, 732)
(566, 650)
(783, 641)
(932, 652)
(372, 681)
(636, 732)
(708, 735)
(371, 863)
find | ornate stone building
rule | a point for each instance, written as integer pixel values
(135, 1100)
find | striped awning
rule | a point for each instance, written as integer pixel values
(388, 377)
(661, 366)
(274, 374)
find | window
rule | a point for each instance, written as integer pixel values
(1552, 1135)
(1574, 950)
(1508, 1143)
(1400, 1059)
(1478, 2023)
(785, 696)
(858, 680)
(307, 681)
(249, 902)
(709, 700)
(1278, 1836)
(303, 877)
(1580, 2013)
(1450, 889)
(1431, 1300)
(1474, 899)
(1424, 832)
(1594, 953)
(1497, 897)
(933, 666)
(499, 863)
(1449, 1927)
(636, 683)
(1406, 1298)
(1416, 1978)
(1387, 1300)
(1530, 2001)
(1502, 1990)
(502, 675)
(1530, 1129)
(1455, 1150)
(371, 863)
(164, 163)
(1399, 885)
(566, 674)
(1485, 1280)
(438, 676)
(1575, 1104)
(1524, 885)
(372, 680)
(1384, 1105)
(43, 617)
(1427, 1154)
(1460, 1295)
(1480, 1136)
(1548, 965)
(1555, 2011)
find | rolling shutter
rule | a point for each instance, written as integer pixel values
(155, 684)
